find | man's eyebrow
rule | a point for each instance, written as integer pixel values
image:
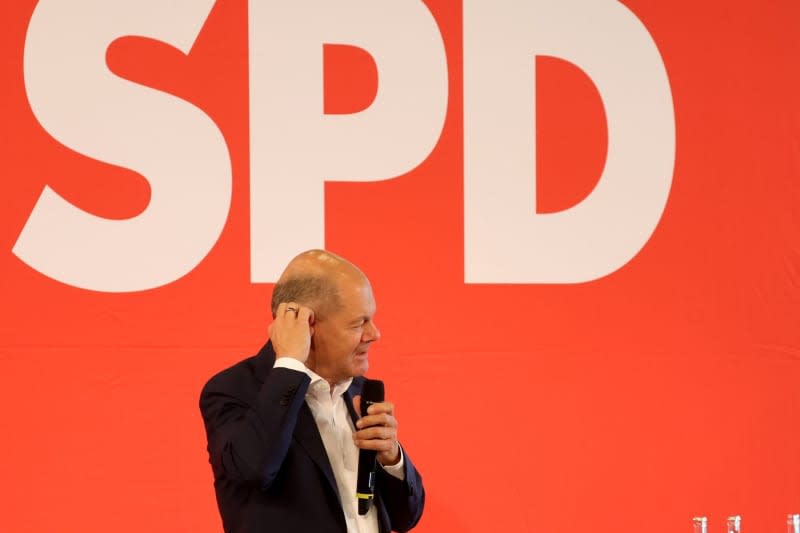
(362, 318)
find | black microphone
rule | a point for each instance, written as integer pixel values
(372, 392)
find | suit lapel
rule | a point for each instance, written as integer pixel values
(353, 391)
(305, 430)
(307, 435)
(348, 401)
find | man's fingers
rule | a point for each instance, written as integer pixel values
(291, 330)
(379, 445)
(382, 407)
(382, 419)
(376, 432)
(289, 309)
(305, 314)
(286, 311)
(279, 312)
(293, 311)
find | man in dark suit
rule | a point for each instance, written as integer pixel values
(283, 433)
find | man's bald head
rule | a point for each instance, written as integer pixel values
(313, 279)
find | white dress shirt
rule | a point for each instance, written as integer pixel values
(336, 429)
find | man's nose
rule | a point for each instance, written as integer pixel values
(371, 333)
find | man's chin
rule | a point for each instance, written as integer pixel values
(360, 364)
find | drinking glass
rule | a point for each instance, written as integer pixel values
(734, 524)
(699, 524)
(793, 523)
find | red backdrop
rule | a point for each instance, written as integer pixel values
(665, 390)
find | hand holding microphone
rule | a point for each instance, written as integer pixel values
(377, 430)
(376, 436)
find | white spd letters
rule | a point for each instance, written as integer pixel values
(296, 148)
(173, 144)
(505, 240)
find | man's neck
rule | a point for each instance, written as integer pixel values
(332, 382)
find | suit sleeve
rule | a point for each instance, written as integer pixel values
(404, 499)
(248, 439)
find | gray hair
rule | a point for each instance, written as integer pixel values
(318, 292)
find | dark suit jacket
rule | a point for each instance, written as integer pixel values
(271, 472)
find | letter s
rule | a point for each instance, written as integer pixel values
(172, 143)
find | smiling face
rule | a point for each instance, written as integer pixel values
(342, 338)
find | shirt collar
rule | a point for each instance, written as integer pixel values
(338, 389)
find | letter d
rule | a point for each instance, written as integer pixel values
(505, 240)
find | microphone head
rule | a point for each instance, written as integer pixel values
(372, 390)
